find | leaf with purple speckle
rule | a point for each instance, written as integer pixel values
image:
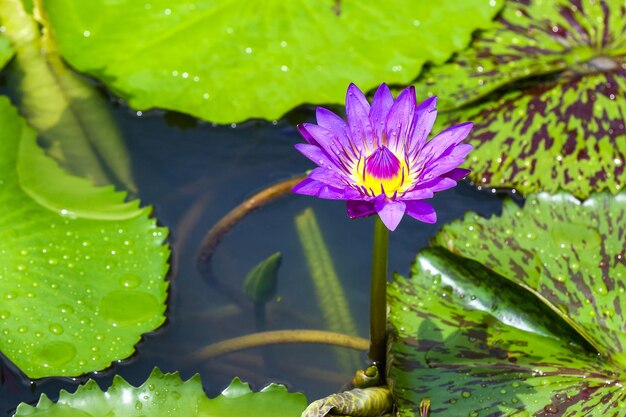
(516, 315)
(545, 89)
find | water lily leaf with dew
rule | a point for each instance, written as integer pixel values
(168, 395)
(70, 115)
(229, 61)
(78, 290)
(6, 51)
(474, 344)
(545, 89)
(570, 255)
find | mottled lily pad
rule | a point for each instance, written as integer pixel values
(519, 314)
(168, 395)
(229, 61)
(545, 89)
(80, 280)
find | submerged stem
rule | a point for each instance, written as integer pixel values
(378, 297)
(279, 337)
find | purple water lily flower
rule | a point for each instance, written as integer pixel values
(380, 160)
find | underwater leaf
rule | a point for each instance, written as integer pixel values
(70, 115)
(545, 88)
(329, 292)
(229, 61)
(77, 291)
(571, 255)
(474, 344)
(168, 395)
(45, 182)
(6, 51)
(261, 282)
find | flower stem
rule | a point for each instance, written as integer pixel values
(378, 298)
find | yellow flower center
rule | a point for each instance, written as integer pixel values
(382, 172)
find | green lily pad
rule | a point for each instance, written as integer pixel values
(6, 51)
(519, 314)
(80, 281)
(229, 61)
(168, 395)
(545, 89)
(475, 345)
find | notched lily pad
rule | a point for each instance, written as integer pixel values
(570, 254)
(520, 314)
(79, 286)
(168, 395)
(545, 89)
(475, 345)
(228, 61)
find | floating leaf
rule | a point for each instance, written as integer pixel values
(474, 344)
(167, 395)
(70, 115)
(570, 255)
(78, 287)
(229, 61)
(524, 316)
(545, 88)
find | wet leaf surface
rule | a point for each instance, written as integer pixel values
(516, 315)
(80, 281)
(545, 89)
(168, 395)
(230, 61)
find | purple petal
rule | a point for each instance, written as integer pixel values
(328, 177)
(390, 212)
(315, 154)
(418, 194)
(440, 143)
(400, 118)
(452, 159)
(421, 211)
(359, 208)
(433, 186)
(381, 103)
(317, 189)
(423, 121)
(323, 138)
(335, 124)
(357, 112)
(457, 173)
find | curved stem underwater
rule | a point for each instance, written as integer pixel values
(378, 296)
(279, 337)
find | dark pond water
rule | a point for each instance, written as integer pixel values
(193, 173)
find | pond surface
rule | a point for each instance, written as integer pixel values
(193, 173)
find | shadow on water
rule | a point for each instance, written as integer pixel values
(193, 173)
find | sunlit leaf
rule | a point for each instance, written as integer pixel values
(545, 88)
(6, 51)
(168, 395)
(79, 287)
(474, 344)
(232, 60)
(571, 255)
